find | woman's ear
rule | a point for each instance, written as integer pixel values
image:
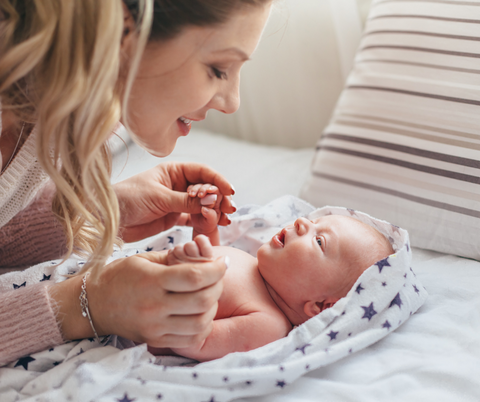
(128, 26)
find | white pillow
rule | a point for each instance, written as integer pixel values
(404, 141)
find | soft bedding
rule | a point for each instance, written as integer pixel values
(434, 356)
(382, 299)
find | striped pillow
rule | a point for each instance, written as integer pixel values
(404, 141)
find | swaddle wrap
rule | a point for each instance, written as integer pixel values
(383, 298)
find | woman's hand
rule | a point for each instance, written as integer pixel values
(153, 201)
(142, 299)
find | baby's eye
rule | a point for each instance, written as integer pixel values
(319, 241)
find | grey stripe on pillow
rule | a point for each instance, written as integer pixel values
(404, 141)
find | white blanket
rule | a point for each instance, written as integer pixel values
(382, 299)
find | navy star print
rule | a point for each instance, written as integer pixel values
(382, 264)
(417, 291)
(302, 349)
(125, 398)
(171, 240)
(332, 335)
(148, 249)
(281, 384)
(359, 288)
(45, 278)
(386, 324)
(369, 311)
(397, 301)
(24, 362)
(15, 286)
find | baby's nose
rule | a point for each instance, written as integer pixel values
(302, 225)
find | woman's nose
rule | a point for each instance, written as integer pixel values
(227, 99)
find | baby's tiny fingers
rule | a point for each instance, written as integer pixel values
(204, 189)
(193, 189)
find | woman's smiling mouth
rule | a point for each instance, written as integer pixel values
(185, 125)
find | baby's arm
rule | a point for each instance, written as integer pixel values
(206, 222)
(238, 334)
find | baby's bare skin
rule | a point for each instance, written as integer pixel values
(305, 268)
(247, 317)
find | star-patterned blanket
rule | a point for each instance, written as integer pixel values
(116, 370)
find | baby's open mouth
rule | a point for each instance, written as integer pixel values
(280, 238)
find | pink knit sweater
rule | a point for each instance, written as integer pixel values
(28, 321)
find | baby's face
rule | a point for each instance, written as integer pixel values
(316, 261)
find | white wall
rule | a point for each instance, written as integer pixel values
(290, 87)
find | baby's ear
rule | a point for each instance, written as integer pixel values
(311, 308)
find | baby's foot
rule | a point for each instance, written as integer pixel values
(198, 250)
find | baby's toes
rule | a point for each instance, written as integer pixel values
(204, 246)
(191, 249)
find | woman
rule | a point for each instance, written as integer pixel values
(70, 70)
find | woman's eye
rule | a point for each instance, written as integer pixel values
(222, 75)
(319, 242)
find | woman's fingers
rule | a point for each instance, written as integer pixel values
(199, 173)
(179, 341)
(188, 303)
(191, 277)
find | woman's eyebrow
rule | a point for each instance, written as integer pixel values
(239, 52)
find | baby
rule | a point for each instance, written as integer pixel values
(305, 268)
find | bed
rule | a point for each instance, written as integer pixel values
(289, 94)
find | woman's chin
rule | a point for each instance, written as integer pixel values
(160, 152)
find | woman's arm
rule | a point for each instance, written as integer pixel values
(28, 322)
(33, 235)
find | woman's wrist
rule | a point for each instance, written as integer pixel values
(72, 323)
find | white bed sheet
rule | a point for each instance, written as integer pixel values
(259, 173)
(434, 356)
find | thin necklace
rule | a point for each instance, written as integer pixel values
(16, 146)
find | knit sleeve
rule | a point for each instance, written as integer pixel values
(27, 322)
(33, 235)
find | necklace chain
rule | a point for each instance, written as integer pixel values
(16, 146)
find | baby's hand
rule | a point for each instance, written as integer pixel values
(207, 221)
(198, 250)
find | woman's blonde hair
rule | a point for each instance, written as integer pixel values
(59, 69)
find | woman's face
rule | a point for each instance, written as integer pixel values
(180, 79)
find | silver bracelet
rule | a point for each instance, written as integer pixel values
(84, 304)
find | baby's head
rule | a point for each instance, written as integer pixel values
(310, 265)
